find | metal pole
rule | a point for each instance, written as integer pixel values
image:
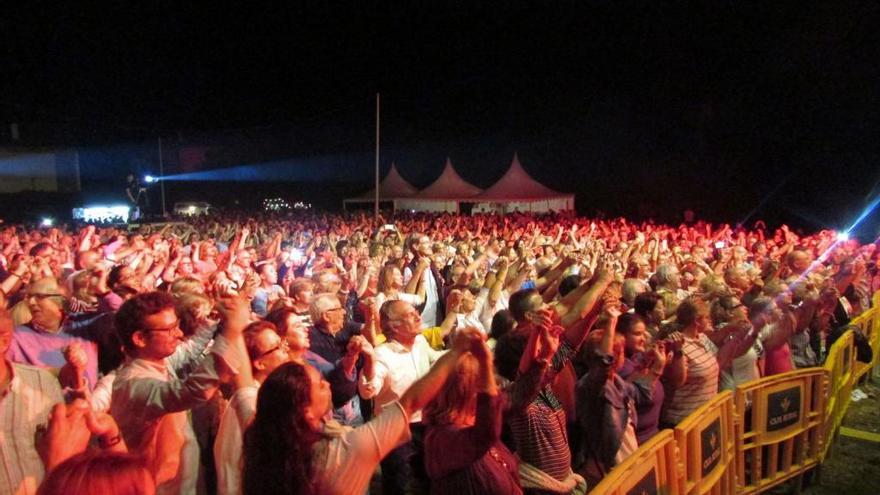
(78, 178)
(162, 178)
(376, 200)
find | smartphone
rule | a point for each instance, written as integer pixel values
(720, 245)
(389, 226)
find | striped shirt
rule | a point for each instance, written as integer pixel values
(702, 380)
(539, 429)
(24, 405)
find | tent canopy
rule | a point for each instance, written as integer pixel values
(517, 185)
(449, 185)
(392, 186)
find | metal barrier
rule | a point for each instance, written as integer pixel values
(839, 364)
(706, 447)
(779, 427)
(652, 469)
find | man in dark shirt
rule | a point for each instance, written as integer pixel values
(329, 337)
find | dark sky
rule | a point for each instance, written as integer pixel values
(713, 104)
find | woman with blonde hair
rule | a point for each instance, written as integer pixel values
(98, 473)
(465, 419)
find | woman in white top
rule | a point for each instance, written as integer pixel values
(291, 448)
(727, 313)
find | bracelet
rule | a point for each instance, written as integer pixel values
(110, 442)
(13, 274)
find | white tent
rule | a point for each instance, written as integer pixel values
(516, 190)
(392, 187)
(443, 195)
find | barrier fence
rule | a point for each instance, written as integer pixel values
(650, 470)
(770, 431)
(706, 448)
(779, 427)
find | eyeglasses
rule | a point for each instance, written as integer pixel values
(282, 345)
(336, 309)
(168, 329)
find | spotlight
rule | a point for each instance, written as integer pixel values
(843, 236)
(149, 179)
(47, 222)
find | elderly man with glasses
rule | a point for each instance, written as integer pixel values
(46, 339)
(331, 339)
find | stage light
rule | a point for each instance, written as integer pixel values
(191, 209)
(102, 214)
(47, 222)
(843, 236)
(149, 179)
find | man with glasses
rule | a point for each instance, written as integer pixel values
(330, 338)
(45, 338)
(27, 394)
(400, 361)
(267, 351)
(150, 401)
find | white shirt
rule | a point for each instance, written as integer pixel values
(230, 439)
(396, 369)
(432, 296)
(24, 405)
(345, 461)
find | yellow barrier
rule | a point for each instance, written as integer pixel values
(778, 428)
(869, 323)
(839, 364)
(650, 470)
(774, 429)
(706, 448)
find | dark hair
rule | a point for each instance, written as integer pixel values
(98, 472)
(519, 303)
(627, 322)
(569, 284)
(502, 324)
(278, 444)
(39, 248)
(645, 303)
(508, 352)
(134, 311)
(114, 275)
(278, 318)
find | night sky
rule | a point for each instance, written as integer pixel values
(638, 107)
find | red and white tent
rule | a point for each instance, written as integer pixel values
(392, 187)
(444, 194)
(516, 190)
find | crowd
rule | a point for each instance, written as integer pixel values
(462, 354)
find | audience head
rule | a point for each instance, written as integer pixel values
(327, 312)
(98, 473)
(148, 325)
(47, 301)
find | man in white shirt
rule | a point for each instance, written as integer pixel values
(151, 403)
(27, 394)
(400, 361)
